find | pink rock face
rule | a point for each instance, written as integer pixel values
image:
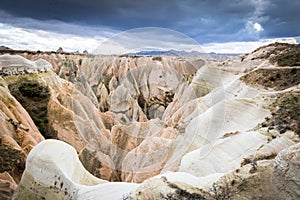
(7, 186)
(56, 60)
(18, 134)
(131, 118)
(126, 90)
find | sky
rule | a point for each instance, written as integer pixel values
(224, 26)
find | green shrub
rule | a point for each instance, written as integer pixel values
(34, 97)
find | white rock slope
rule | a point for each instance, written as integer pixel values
(54, 169)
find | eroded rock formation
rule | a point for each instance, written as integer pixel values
(217, 125)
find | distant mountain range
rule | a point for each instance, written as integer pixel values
(144, 53)
(180, 53)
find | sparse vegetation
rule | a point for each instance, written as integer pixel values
(221, 192)
(282, 54)
(188, 77)
(289, 58)
(285, 113)
(181, 193)
(90, 162)
(34, 97)
(11, 161)
(158, 58)
(32, 90)
(279, 78)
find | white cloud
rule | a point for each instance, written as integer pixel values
(257, 27)
(124, 42)
(21, 38)
(253, 27)
(251, 31)
(243, 47)
(129, 41)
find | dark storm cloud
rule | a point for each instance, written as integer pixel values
(122, 14)
(282, 18)
(204, 20)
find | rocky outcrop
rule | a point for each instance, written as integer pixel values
(67, 179)
(55, 59)
(15, 65)
(60, 50)
(286, 173)
(218, 126)
(18, 134)
(7, 186)
(230, 150)
(280, 54)
(137, 87)
(265, 179)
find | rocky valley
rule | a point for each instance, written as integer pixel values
(77, 126)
